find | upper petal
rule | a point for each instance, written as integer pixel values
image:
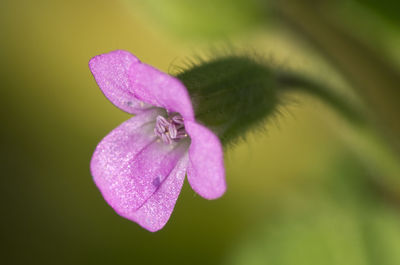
(206, 172)
(130, 163)
(111, 71)
(155, 212)
(160, 89)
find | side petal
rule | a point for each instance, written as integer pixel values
(130, 163)
(206, 172)
(160, 89)
(156, 211)
(111, 72)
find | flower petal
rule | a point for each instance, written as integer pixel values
(111, 73)
(155, 212)
(160, 89)
(206, 173)
(130, 163)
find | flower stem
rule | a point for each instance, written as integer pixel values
(372, 75)
(291, 82)
(233, 94)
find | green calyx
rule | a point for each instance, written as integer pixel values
(232, 95)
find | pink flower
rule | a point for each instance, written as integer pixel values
(140, 166)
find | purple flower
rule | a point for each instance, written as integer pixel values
(141, 165)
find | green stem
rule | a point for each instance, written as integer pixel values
(374, 77)
(295, 82)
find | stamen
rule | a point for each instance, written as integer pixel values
(178, 119)
(170, 129)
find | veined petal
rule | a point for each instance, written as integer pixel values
(111, 71)
(206, 173)
(160, 89)
(130, 163)
(155, 212)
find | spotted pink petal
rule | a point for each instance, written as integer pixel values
(160, 89)
(130, 163)
(155, 212)
(206, 173)
(111, 71)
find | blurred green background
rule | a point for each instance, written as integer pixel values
(311, 189)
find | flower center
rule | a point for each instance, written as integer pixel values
(170, 129)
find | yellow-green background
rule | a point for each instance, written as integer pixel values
(298, 193)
